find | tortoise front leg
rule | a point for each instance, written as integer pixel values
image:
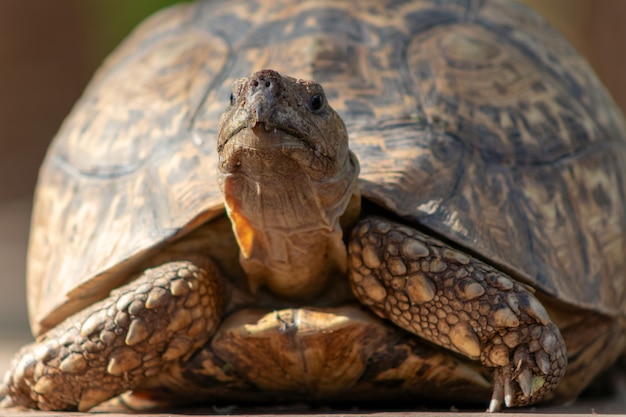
(460, 303)
(162, 316)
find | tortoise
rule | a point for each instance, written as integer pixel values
(452, 228)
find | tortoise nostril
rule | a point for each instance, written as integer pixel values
(265, 80)
(262, 82)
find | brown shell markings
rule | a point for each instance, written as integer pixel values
(457, 115)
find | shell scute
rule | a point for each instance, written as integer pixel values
(495, 136)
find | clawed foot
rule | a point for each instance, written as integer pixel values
(458, 302)
(511, 388)
(533, 371)
(119, 342)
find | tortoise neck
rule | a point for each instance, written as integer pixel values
(289, 230)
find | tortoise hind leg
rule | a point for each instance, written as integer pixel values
(110, 347)
(460, 303)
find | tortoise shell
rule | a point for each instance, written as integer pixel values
(474, 120)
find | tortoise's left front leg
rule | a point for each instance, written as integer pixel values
(460, 303)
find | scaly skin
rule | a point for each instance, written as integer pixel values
(163, 316)
(460, 303)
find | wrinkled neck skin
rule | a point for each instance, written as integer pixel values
(287, 177)
(288, 224)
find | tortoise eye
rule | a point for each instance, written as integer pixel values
(232, 99)
(316, 102)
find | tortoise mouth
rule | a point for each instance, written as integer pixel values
(265, 135)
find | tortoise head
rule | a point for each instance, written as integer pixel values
(269, 112)
(287, 176)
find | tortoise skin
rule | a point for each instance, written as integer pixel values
(474, 120)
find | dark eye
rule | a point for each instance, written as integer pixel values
(232, 99)
(317, 102)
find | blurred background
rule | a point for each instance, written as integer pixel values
(48, 52)
(49, 49)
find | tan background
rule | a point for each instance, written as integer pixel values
(49, 49)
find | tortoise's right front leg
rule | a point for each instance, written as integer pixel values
(165, 314)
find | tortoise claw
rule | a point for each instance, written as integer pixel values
(503, 390)
(525, 382)
(5, 399)
(5, 402)
(494, 406)
(509, 391)
(497, 398)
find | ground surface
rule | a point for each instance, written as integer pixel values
(578, 410)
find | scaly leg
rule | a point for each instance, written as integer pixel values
(162, 316)
(460, 303)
